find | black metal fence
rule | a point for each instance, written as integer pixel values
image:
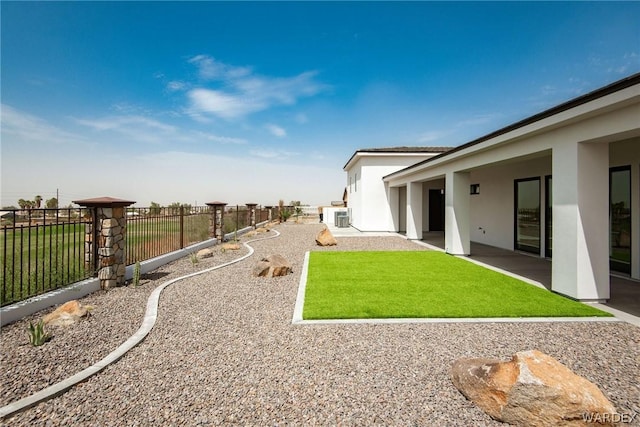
(44, 249)
(156, 231)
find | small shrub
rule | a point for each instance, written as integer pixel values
(193, 257)
(37, 335)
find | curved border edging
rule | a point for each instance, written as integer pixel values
(149, 321)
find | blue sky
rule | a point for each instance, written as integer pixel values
(253, 102)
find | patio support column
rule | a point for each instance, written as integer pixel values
(457, 201)
(580, 264)
(393, 199)
(414, 210)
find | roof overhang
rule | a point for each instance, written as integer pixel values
(359, 154)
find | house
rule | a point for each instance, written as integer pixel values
(562, 184)
(366, 191)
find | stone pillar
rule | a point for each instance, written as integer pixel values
(252, 214)
(269, 213)
(216, 221)
(106, 239)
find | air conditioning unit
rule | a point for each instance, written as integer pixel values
(341, 219)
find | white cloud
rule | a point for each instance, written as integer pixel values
(22, 127)
(210, 69)
(276, 130)
(175, 85)
(239, 92)
(220, 139)
(273, 154)
(134, 128)
(221, 104)
(122, 122)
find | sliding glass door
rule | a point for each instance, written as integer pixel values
(527, 215)
(620, 219)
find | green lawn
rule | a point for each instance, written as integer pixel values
(422, 284)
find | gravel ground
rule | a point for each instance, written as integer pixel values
(224, 351)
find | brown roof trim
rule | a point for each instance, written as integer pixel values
(399, 150)
(616, 86)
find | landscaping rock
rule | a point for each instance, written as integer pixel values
(262, 230)
(205, 253)
(272, 266)
(67, 314)
(325, 238)
(230, 246)
(532, 389)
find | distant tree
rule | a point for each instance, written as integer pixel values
(51, 203)
(37, 201)
(23, 204)
(9, 208)
(155, 208)
(174, 208)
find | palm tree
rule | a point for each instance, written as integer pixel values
(38, 201)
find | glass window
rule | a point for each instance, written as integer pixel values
(527, 215)
(620, 219)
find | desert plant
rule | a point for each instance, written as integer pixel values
(37, 335)
(136, 274)
(193, 257)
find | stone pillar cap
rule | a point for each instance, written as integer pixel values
(252, 204)
(104, 202)
(216, 204)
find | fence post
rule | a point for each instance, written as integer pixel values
(181, 227)
(108, 238)
(216, 221)
(252, 214)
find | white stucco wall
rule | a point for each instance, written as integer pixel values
(493, 209)
(368, 200)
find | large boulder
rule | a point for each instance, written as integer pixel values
(532, 389)
(272, 266)
(325, 238)
(68, 313)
